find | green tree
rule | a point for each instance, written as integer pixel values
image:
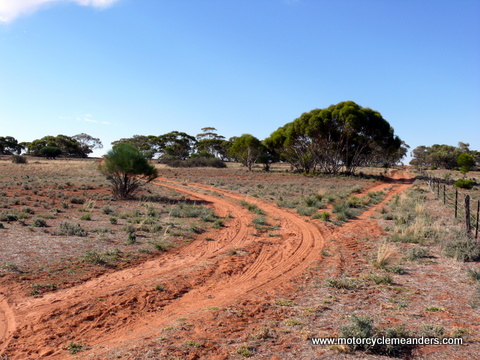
(148, 145)
(50, 152)
(68, 146)
(247, 149)
(123, 165)
(466, 162)
(9, 146)
(88, 143)
(176, 145)
(210, 142)
(342, 136)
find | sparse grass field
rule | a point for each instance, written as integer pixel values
(393, 263)
(63, 210)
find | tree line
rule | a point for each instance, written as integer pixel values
(77, 146)
(336, 139)
(445, 157)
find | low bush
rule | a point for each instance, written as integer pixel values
(362, 327)
(464, 249)
(465, 183)
(196, 162)
(70, 229)
(18, 159)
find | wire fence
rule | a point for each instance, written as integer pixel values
(462, 205)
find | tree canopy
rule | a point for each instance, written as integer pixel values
(78, 146)
(247, 149)
(10, 146)
(122, 165)
(442, 156)
(342, 136)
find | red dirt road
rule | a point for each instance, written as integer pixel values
(125, 307)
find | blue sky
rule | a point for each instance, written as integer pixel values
(114, 69)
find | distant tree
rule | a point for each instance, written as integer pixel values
(9, 146)
(148, 145)
(466, 162)
(50, 152)
(342, 136)
(247, 149)
(440, 156)
(209, 141)
(69, 147)
(88, 143)
(123, 165)
(176, 145)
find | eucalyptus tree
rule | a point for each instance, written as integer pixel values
(247, 149)
(342, 136)
(122, 166)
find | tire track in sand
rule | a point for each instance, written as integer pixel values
(121, 308)
(102, 310)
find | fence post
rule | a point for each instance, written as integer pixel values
(478, 211)
(438, 188)
(456, 201)
(444, 189)
(467, 214)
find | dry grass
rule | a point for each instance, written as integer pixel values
(385, 254)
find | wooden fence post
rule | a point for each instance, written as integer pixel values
(467, 215)
(456, 201)
(478, 211)
(444, 199)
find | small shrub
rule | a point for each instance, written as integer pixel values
(342, 283)
(70, 229)
(306, 211)
(362, 327)
(417, 253)
(37, 222)
(465, 183)
(463, 249)
(474, 274)
(18, 159)
(107, 210)
(382, 279)
(395, 269)
(131, 238)
(106, 259)
(77, 200)
(245, 351)
(218, 224)
(8, 217)
(74, 348)
(87, 216)
(325, 216)
(433, 308)
(113, 220)
(162, 245)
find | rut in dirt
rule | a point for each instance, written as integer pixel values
(123, 307)
(125, 304)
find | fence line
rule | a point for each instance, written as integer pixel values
(468, 212)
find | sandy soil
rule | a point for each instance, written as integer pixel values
(200, 300)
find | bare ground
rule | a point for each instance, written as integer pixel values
(236, 293)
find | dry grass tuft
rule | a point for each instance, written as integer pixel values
(385, 254)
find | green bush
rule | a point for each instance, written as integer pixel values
(465, 183)
(37, 222)
(70, 229)
(362, 327)
(196, 162)
(464, 249)
(18, 159)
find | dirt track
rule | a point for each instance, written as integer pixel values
(124, 307)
